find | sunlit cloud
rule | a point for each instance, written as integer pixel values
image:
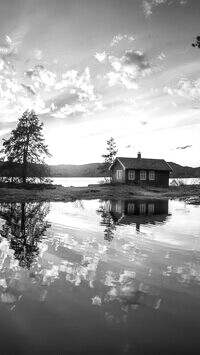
(100, 56)
(79, 84)
(38, 54)
(161, 56)
(41, 77)
(69, 110)
(29, 88)
(118, 38)
(128, 69)
(149, 5)
(189, 89)
(8, 47)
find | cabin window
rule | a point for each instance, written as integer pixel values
(118, 207)
(119, 174)
(151, 208)
(142, 208)
(143, 175)
(131, 175)
(151, 175)
(131, 208)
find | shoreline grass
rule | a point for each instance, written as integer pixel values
(41, 192)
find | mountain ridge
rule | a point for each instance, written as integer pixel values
(95, 170)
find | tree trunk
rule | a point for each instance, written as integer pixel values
(23, 219)
(24, 168)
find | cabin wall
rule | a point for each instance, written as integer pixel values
(113, 172)
(161, 179)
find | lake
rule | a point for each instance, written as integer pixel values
(85, 181)
(100, 277)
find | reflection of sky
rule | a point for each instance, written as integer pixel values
(130, 269)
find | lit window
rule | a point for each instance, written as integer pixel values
(142, 208)
(131, 207)
(143, 175)
(131, 175)
(119, 174)
(151, 208)
(152, 175)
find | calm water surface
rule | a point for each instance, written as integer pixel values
(85, 181)
(96, 277)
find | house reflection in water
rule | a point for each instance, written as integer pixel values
(139, 211)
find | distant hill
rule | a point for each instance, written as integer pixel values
(184, 171)
(86, 170)
(93, 170)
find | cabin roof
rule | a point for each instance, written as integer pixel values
(143, 163)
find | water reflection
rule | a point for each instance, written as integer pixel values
(107, 220)
(126, 212)
(95, 284)
(24, 226)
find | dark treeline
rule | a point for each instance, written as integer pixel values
(86, 170)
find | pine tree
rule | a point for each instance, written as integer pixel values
(26, 146)
(109, 157)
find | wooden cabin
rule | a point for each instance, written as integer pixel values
(140, 171)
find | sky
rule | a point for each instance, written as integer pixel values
(95, 69)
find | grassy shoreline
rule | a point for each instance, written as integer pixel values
(188, 193)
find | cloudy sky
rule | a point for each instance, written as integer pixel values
(93, 69)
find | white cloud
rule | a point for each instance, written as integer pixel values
(168, 90)
(8, 48)
(37, 104)
(121, 79)
(128, 69)
(80, 83)
(96, 301)
(98, 106)
(100, 56)
(41, 77)
(118, 38)
(15, 99)
(189, 89)
(68, 110)
(29, 88)
(148, 5)
(9, 91)
(38, 54)
(2, 64)
(161, 56)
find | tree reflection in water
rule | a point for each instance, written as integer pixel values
(107, 220)
(24, 226)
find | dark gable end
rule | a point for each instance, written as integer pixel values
(117, 162)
